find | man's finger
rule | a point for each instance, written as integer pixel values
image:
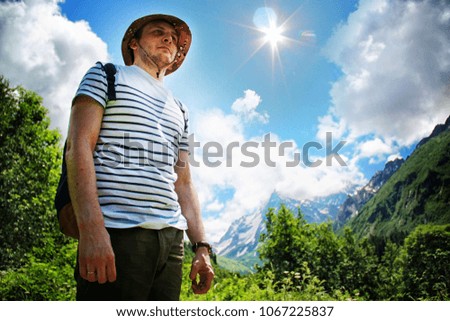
(83, 271)
(91, 274)
(101, 275)
(111, 272)
(208, 280)
(194, 271)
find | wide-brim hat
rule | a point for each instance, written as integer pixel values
(184, 38)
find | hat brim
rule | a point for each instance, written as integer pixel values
(184, 38)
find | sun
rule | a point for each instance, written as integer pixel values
(265, 20)
(273, 35)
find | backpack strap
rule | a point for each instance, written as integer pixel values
(110, 70)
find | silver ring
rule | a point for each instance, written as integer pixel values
(91, 273)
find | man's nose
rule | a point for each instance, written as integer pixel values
(167, 38)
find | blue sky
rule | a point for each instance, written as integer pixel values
(373, 73)
(220, 66)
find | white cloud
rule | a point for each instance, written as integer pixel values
(329, 124)
(375, 149)
(396, 67)
(45, 52)
(246, 106)
(214, 206)
(215, 125)
(254, 167)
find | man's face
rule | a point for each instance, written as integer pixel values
(159, 40)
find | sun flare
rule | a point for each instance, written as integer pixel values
(273, 35)
(265, 20)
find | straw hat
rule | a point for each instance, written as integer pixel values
(184, 38)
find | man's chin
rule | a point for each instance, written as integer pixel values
(165, 61)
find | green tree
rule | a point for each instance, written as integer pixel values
(426, 264)
(390, 272)
(338, 263)
(29, 172)
(358, 268)
(290, 242)
(327, 256)
(284, 242)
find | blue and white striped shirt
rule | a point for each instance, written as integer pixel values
(141, 134)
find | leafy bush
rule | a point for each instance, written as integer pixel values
(42, 277)
(341, 263)
(390, 273)
(264, 286)
(351, 265)
(426, 263)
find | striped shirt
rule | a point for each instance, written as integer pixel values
(141, 134)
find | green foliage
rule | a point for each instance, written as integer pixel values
(347, 264)
(263, 286)
(339, 263)
(300, 262)
(358, 268)
(29, 172)
(283, 242)
(390, 271)
(35, 259)
(46, 275)
(232, 265)
(426, 263)
(246, 263)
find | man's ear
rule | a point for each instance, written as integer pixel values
(133, 44)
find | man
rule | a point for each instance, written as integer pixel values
(129, 176)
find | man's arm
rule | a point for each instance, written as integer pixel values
(96, 257)
(190, 207)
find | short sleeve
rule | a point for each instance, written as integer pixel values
(94, 85)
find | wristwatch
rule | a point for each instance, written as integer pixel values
(196, 245)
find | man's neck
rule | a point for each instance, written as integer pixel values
(152, 71)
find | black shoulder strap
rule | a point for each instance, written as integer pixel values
(110, 70)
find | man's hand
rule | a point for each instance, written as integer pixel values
(202, 267)
(96, 257)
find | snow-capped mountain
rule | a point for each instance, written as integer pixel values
(242, 237)
(353, 203)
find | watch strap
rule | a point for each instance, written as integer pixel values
(196, 245)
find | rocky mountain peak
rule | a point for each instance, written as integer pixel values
(355, 202)
(436, 131)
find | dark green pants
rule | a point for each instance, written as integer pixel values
(148, 264)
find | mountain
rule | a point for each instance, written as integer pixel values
(417, 193)
(404, 194)
(243, 234)
(353, 203)
(242, 238)
(436, 131)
